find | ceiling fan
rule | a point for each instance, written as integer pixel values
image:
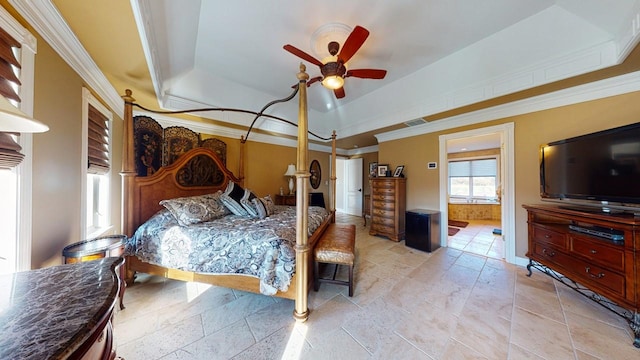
(333, 68)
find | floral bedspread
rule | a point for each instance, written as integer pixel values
(263, 248)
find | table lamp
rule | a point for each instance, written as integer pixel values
(291, 172)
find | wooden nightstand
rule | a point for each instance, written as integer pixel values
(286, 200)
(98, 248)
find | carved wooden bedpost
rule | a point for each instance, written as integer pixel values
(128, 172)
(301, 310)
(241, 165)
(332, 198)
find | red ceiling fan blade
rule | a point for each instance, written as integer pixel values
(367, 73)
(301, 54)
(313, 80)
(353, 43)
(339, 92)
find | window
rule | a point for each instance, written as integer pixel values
(97, 164)
(471, 180)
(17, 86)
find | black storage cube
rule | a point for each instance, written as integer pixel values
(422, 229)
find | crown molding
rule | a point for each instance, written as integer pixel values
(147, 39)
(360, 151)
(47, 21)
(596, 90)
(412, 99)
(630, 36)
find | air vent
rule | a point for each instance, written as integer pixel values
(416, 122)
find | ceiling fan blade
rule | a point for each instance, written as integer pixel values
(312, 80)
(353, 43)
(301, 54)
(339, 92)
(367, 73)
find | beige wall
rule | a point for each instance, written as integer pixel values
(265, 165)
(57, 163)
(414, 153)
(531, 131)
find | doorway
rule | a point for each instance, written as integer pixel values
(505, 187)
(349, 186)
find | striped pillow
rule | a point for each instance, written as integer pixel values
(231, 199)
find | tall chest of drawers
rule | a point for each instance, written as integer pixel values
(388, 205)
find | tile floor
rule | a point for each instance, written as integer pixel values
(478, 238)
(408, 304)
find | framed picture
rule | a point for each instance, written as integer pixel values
(398, 172)
(316, 174)
(373, 167)
(382, 170)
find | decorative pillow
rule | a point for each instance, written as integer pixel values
(264, 206)
(195, 209)
(231, 199)
(247, 204)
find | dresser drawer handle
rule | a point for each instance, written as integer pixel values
(550, 254)
(598, 276)
(593, 251)
(547, 236)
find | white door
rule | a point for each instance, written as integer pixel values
(353, 186)
(340, 186)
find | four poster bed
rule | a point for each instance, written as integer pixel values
(287, 253)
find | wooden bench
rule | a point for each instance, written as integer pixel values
(336, 246)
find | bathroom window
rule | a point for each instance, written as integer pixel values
(473, 180)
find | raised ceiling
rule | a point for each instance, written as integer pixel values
(440, 55)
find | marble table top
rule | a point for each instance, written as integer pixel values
(48, 313)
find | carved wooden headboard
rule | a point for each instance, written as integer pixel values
(199, 171)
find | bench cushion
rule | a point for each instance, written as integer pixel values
(337, 245)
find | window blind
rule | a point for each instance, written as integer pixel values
(468, 168)
(98, 143)
(10, 155)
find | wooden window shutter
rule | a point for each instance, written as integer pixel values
(98, 140)
(10, 155)
(8, 78)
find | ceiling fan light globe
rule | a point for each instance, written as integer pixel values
(333, 82)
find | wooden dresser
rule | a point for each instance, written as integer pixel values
(595, 253)
(388, 205)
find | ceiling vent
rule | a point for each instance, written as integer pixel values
(416, 122)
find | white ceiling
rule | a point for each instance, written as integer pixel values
(439, 54)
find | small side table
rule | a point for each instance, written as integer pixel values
(98, 248)
(285, 200)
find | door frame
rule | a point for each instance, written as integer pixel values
(507, 165)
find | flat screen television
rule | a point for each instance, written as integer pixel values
(598, 169)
